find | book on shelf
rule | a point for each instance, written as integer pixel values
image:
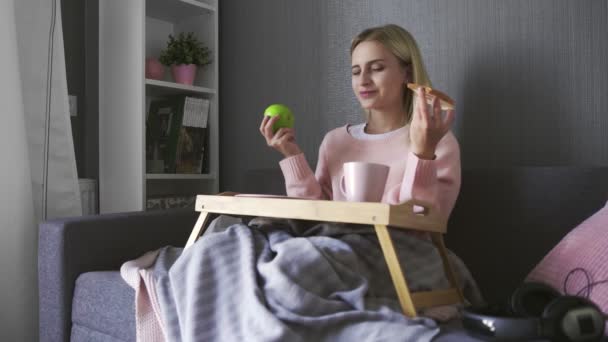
(193, 137)
(162, 128)
(176, 135)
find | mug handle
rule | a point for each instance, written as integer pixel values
(342, 186)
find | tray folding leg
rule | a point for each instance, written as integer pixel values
(437, 239)
(394, 267)
(410, 302)
(199, 228)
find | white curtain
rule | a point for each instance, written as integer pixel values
(38, 175)
(45, 95)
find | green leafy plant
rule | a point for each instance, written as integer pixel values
(185, 49)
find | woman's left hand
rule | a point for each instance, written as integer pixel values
(428, 126)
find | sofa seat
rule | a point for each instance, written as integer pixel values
(496, 206)
(103, 308)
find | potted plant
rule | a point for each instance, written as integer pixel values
(184, 53)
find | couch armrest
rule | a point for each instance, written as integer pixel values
(72, 246)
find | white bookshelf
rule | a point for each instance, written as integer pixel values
(178, 176)
(177, 10)
(129, 32)
(156, 88)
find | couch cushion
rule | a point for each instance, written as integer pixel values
(83, 334)
(103, 302)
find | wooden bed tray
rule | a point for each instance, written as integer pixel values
(380, 215)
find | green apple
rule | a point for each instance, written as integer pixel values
(286, 118)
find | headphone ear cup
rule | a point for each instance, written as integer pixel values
(531, 299)
(585, 325)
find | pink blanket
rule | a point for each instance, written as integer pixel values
(148, 323)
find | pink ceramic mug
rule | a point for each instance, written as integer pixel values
(363, 182)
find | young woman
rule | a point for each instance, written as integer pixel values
(409, 136)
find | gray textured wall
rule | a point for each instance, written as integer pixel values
(530, 78)
(269, 53)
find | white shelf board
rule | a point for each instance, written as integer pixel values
(176, 10)
(178, 176)
(162, 88)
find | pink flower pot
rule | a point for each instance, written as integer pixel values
(154, 69)
(184, 73)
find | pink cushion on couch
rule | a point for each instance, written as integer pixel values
(586, 246)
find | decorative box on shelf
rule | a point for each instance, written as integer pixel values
(170, 202)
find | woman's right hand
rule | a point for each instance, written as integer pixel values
(284, 140)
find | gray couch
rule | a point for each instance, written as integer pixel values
(504, 221)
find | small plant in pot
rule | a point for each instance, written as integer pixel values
(184, 53)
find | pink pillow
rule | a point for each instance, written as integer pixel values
(586, 247)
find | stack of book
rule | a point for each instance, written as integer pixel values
(177, 136)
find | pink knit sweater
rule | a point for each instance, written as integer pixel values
(435, 181)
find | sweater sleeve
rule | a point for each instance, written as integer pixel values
(435, 181)
(300, 180)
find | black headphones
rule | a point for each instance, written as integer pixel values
(537, 311)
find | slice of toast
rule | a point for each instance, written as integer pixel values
(445, 101)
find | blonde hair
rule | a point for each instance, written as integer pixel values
(403, 46)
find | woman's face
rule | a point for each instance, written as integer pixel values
(377, 76)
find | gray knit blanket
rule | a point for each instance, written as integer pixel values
(283, 280)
